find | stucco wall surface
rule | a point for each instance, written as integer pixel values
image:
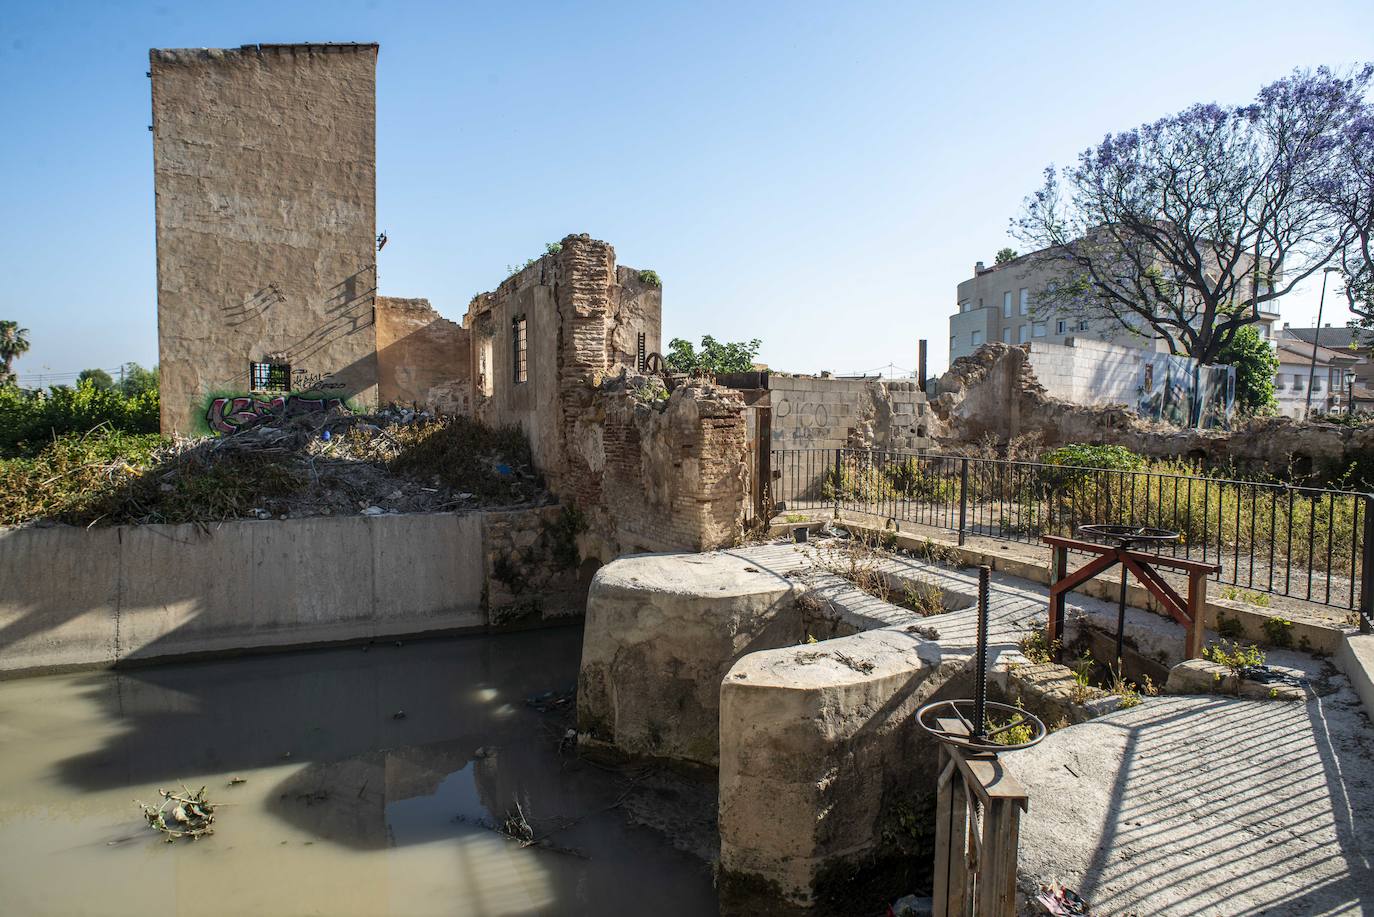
(264, 161)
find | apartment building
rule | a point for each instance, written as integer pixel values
(999, 303)
(1321, 384)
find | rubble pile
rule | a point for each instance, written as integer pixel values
(316, 464)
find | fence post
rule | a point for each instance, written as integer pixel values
(839, 479)
(963, 497)
(1367, 568)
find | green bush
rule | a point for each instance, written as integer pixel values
(31, 420)
(1085, 455)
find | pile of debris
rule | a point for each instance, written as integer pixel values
(319, 464)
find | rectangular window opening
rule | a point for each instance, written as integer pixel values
(269, 376)
(519, 351)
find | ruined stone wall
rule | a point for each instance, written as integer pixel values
(264, 168)
(820, 412)
(423, 359)
(662, 474)
(994, 394)
(646, 472)
(583, 316)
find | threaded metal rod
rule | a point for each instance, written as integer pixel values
(980, 673)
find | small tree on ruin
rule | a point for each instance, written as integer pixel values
(714, 356)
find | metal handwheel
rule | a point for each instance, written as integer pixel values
(965, 711)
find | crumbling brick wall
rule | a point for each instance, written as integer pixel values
(423, 358)
(648, 473)
(668, 473)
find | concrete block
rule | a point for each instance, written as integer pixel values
(661, 630)
(427, 572)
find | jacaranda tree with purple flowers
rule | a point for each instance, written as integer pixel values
(1350, 193)
(1184, 228)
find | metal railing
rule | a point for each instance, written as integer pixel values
(1308, 543)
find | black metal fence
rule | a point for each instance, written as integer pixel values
(1308, 543)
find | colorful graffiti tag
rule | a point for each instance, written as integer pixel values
(230, 413)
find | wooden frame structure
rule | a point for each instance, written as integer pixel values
(1191, 613)
(977, 830)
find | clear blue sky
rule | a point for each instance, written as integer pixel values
(818, 175)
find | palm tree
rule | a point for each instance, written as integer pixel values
(13, 342)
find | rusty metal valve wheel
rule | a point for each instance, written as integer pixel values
(983, 740)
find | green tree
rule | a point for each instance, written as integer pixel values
(97, 377)
(135, 380)
(1005, 255)
(1255, 365)
(14, 342)
(714, 357)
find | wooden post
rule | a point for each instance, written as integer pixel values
(1059, 568)
(1197, 612)
(951, 891)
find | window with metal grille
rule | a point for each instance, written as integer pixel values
(518, 349)
(269, 377)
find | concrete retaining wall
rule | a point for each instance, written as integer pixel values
(97, 597)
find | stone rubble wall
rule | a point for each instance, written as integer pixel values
(995, 394)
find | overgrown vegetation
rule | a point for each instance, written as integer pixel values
(1038, 648)
(650, 277)
(1278, 631)
(29, 421)
(1255, 364)
(1237, 594)
(861, 560)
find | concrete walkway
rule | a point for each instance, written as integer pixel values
(1185, 805)
(1207, 805)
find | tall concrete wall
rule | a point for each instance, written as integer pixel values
(422, 358)
(83, 597)
(264, 162)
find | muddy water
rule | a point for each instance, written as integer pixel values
(348, 807)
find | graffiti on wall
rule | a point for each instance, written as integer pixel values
(802, 421)
(230, 413)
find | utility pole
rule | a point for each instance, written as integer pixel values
(1312, 370)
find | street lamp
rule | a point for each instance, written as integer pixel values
(1316, 337)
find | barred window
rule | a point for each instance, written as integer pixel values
(519, 349)
(269, 377)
